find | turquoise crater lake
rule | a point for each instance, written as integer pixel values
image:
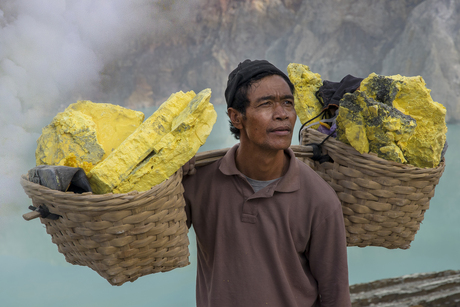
(34, 273)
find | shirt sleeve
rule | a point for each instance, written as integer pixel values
(327, 256)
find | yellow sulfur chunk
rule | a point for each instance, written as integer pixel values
(306, 85)
(351, 129)
(72, 161)
(186, 119)
(138, 146)
(369, 125)
(411, 97)
(177, 148)
(113, 123)
(85, 133)
(70, 133)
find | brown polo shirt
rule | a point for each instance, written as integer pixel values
(282, 246)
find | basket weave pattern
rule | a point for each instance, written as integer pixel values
(120, 236)
(383, 202)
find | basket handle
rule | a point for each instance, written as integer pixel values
(207, 157)
(41, 210)
(31, 215)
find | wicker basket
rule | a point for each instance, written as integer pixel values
(383, 202)
(120, 236)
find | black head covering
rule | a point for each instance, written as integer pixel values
(244, 72)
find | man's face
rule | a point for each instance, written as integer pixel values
(270, 117)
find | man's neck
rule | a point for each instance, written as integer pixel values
(261, 165)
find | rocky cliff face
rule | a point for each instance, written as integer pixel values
(430, 46)
(334, 38)
(415, 290)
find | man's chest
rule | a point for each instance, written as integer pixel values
(234, 215)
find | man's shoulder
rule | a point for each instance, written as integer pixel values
(203, 173)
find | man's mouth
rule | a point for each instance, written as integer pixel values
(281, 130)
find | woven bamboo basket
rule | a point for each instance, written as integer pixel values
(383, 202)
(120, 236)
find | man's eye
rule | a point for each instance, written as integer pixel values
(289, 102)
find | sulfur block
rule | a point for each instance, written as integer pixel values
(70, 133)
(306, 85)
(411, 97)
(373, 126)
(113, 123)
(351, 128)
(140, 145)
(72, 161)
(85, 133)
(176, 148)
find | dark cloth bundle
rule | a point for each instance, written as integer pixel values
(61, 178)
(330, 92)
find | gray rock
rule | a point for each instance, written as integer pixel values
(430, 46)
(334, 38)
(416, 290)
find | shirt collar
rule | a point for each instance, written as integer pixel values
(290, 182)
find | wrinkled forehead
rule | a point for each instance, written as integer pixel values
(273, 85)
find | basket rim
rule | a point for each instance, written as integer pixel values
(90, 201)
(373, 158)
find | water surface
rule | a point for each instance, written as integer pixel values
(33, 273)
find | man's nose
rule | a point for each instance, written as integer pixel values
(280, 111)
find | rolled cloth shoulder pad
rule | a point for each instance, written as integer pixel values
(330, 92)
(245, 71)
(61, 178)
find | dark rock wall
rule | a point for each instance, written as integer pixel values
(333, 37)
(416, 290)
(430, 46)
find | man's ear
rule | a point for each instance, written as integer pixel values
(235, 117)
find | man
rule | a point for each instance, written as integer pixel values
(269, 230)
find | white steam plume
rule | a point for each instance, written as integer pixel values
(50, 53)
